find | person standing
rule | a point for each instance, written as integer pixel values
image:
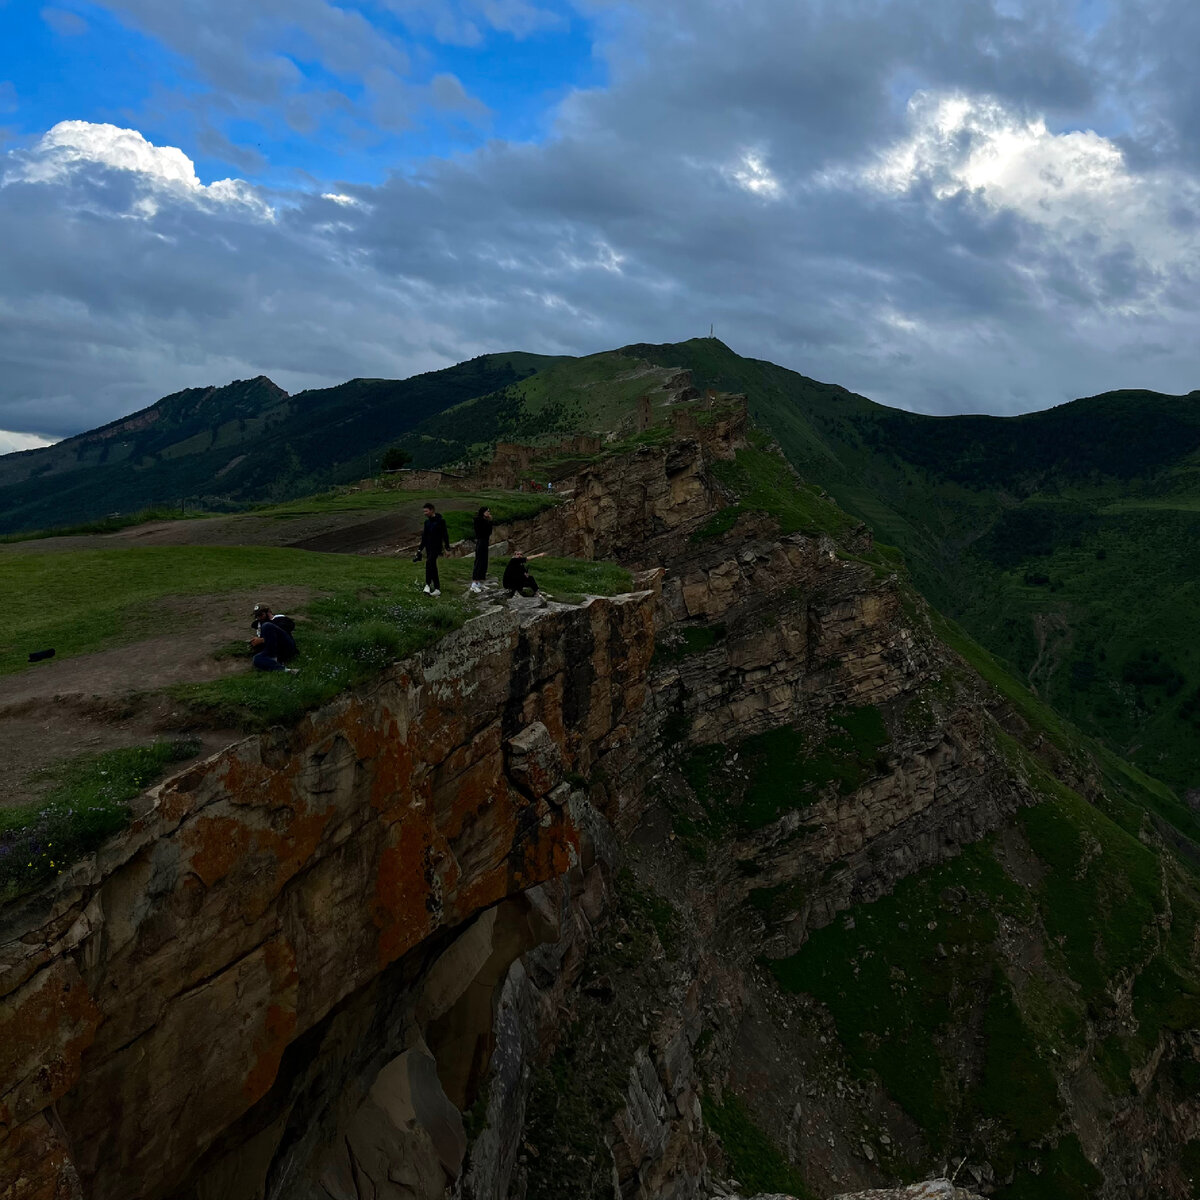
(435, 540)
(483, 535)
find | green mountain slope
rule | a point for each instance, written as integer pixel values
(595, 394)
(247, 441)
(1062, 540)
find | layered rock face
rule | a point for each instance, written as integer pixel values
(190, 971)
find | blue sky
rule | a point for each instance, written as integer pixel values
(75, 61)
(947, 205)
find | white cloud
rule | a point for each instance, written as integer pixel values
(162, 170)
(752, 174)
(1120, 231)
(999, 252)
(11, 442)
(968, 143)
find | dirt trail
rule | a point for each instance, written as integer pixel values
(365, 531)
(87, 703)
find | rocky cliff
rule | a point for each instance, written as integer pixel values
(743, 876)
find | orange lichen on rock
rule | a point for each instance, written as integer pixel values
(277, 878)
(45, 1026)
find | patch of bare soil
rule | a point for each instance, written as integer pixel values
(333, 533)
(88, 703)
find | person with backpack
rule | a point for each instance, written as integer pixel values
(273, 643)
(435, 540)
(483, 535)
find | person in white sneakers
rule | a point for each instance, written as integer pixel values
(435, 539)
(483, 535)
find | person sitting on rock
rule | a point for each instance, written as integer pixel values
(516, 574)
(273, 643)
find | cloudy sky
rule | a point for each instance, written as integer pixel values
(947, 205)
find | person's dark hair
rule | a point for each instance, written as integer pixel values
(482, 510)
(429, 505)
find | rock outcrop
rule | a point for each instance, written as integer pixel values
(159, 995)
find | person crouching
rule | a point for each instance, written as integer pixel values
(273, 643)
(516, 574)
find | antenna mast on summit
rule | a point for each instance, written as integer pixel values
(710, 331)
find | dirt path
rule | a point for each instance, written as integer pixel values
(364, 531)
(93, 702)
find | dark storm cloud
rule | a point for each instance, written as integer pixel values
(819, 180)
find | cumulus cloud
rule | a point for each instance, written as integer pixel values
(71, 147)
(1127, 234)
(938, 203)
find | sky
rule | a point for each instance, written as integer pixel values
(945, 205)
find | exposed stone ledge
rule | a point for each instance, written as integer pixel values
(148, 1000)
(933, 1189)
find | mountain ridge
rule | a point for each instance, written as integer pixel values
(1060, 539)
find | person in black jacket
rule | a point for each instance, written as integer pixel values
(435, 540)
(272, 642)
(516, 574)
(483, 535)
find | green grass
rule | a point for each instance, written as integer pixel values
(753, 1159)
(916, 976)
(93, 599)
(899, 1002)
(569, 580)
(693, 639)
(344, 640)
(87, 802)
(1060, 1172)
(747, 786)
(1102, 895)
(763, 481)
(348, 637)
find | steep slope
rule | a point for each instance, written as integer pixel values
(1061, 539)
(246, 441)
(747, 874)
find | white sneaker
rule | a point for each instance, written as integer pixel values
(427, 590)
(436, 593)
(477, 587)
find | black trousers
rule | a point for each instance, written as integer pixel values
(481, 563)
(431, 573)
